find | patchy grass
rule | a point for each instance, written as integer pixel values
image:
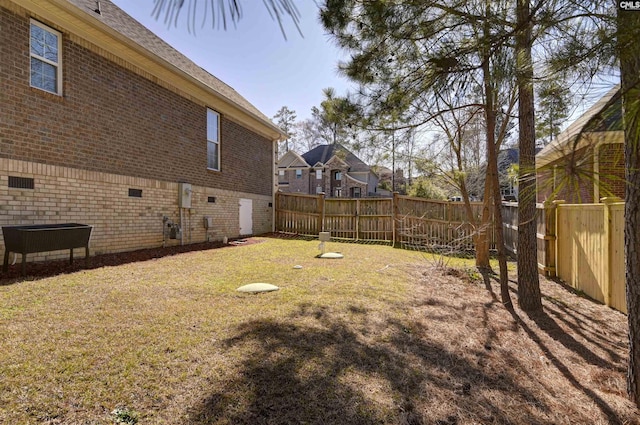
(383, 336)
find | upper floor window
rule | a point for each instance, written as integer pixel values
(213, 140)
(318, 174)
(298, 173)
(337, 175)
(46, 66)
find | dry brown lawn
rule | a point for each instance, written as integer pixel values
(383, 336)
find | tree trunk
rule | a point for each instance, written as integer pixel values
(529, 296)
(492, 180)
(629, 53)
(493, 183)
(481, 239)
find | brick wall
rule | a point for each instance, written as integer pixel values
(611, 165)
(315, 182)
(574, 176)
(544, 184)
(298, 185)
(114, 130)
(571, 178)
(121, 223)
(308, 182)
(113, 120)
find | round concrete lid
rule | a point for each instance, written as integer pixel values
(331, 255)
(254, 288)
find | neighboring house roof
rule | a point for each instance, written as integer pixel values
(323, 153)
(121, 35)
(508, 156)
(292, 160)
(382, 171)
(355, 180)
(603, 116)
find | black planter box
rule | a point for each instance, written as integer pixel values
(45, 237)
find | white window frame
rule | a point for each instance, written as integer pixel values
(57, 65)
(337, 175)
(213, 139)
(299, 173)
(281, 173)
(319, 174)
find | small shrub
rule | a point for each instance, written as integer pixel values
(124, 415)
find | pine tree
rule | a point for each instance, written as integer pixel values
(285, 118)
(629, 54)
(404, 54)
(553, 107)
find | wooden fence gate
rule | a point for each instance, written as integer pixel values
(582, 244)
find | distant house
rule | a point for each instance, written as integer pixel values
(103, 123)
(507, 158)
(387, 180)
(329, 169)
(586, 161)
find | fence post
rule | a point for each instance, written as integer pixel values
(395, 217)
(448, 220)
(321, 212)
(357, 218)
(607, 248)
(556, 231)
(276, 212)
(549, 211)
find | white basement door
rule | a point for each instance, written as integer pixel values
(246, 216)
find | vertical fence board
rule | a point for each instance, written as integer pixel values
(617, 279)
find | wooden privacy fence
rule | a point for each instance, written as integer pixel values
(400, 220)
(582, 244)
(545, 229)
(436, 224)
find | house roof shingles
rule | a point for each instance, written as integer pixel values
(323, 153)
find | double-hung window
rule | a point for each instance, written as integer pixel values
(213, 140)
(46, 61)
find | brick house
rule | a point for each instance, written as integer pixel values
(103, 123)
(586, 161)
(329, 169)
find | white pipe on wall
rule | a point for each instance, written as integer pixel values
(181, 227)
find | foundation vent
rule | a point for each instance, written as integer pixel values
(21, 182)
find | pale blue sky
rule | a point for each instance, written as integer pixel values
(254, 58)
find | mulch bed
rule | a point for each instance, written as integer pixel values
(56, 267)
